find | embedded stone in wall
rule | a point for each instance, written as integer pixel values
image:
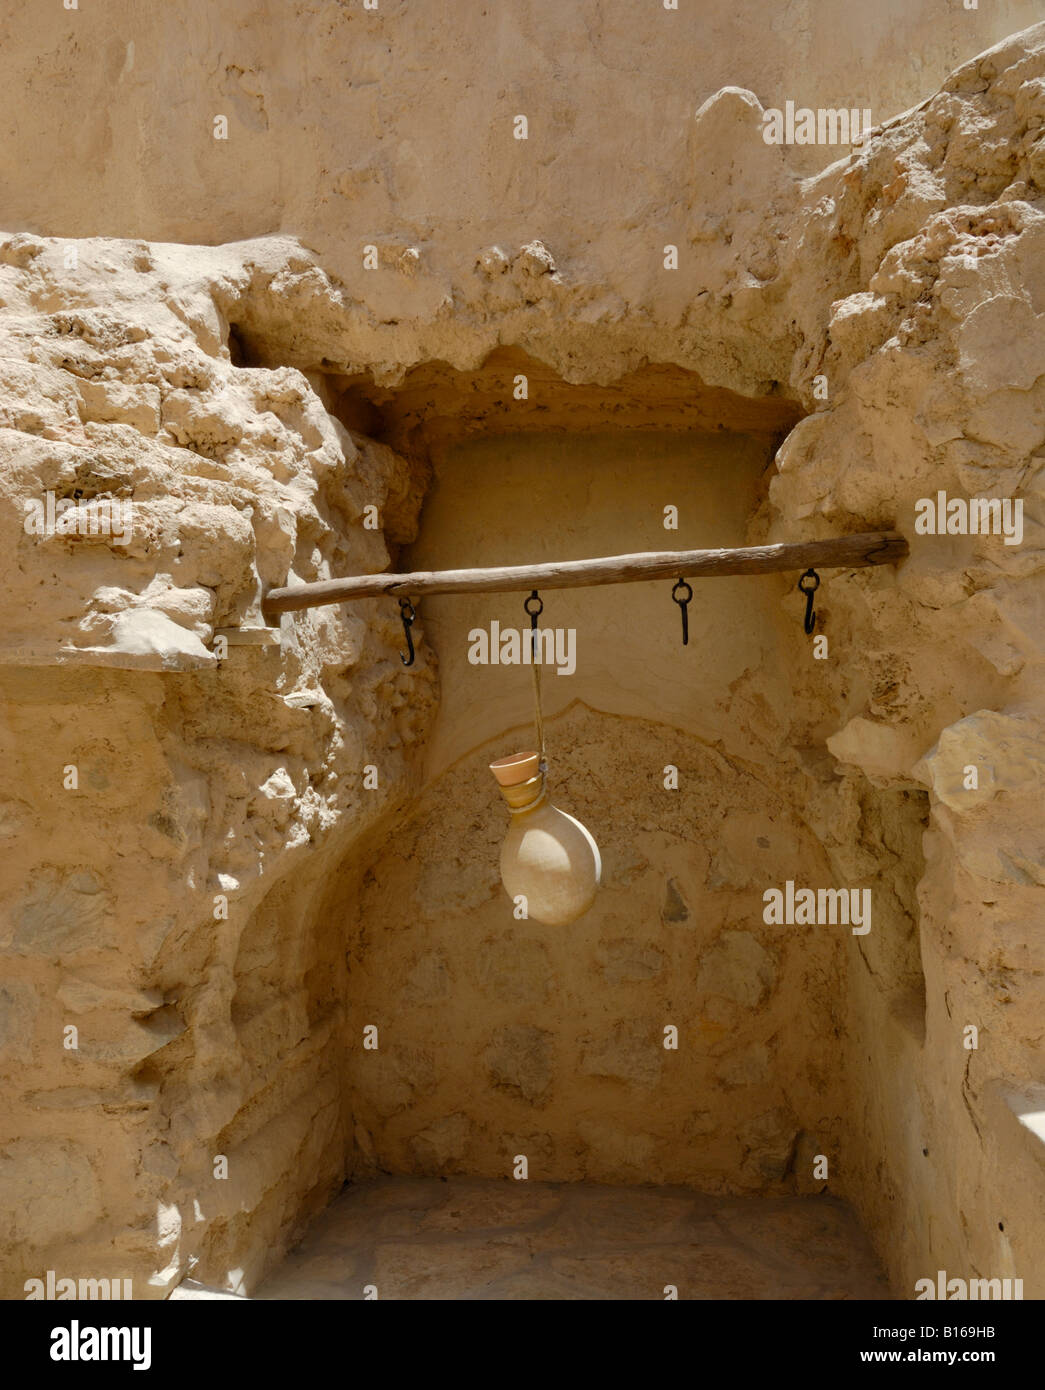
(443, 1144)
(48, 1191)
(62, 912)
(737, 967)
(515, 969)
(631, 1052)
(19, 1003)
(750, 1067)
(674, 908)
(429, 980)
(619, 1150)
(518, 1059)
(769, 1143)
(625, 962)
(393, 1078)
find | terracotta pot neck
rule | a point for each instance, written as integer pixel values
(525, 796)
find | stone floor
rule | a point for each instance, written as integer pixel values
(476, 1239)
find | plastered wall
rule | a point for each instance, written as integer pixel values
(536, 497)
(500, 1037)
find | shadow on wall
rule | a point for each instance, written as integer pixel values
(534, 498)
(671, 1035)
(498, 1037)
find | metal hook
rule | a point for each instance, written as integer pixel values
(682, 603)
(406, 612)
(810, 619)
(534, 614)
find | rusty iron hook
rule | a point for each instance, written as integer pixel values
(810, 618)
(534, 614)
(406, 612)
(683, 604)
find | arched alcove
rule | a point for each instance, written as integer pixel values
(494, 1037)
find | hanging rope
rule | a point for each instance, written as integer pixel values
(535, 666)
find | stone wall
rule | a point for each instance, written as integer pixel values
(501, 1037)
(157, 797)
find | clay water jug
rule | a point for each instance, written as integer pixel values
(547, 856)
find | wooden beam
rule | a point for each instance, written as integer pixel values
(840, 552)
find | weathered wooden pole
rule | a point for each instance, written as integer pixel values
(840, 552)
